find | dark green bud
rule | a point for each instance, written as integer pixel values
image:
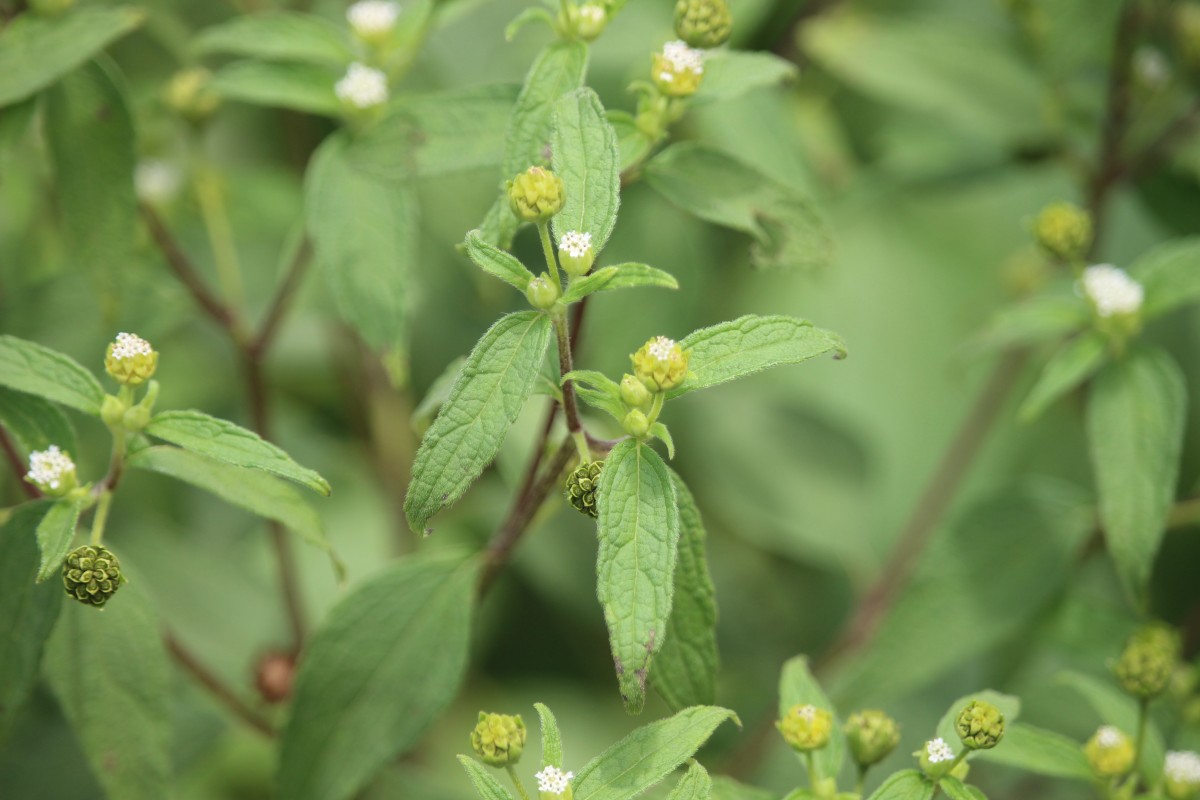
(583, 487)
(498, 739)
(1064, 231)
(980, 725)
(872, 736)
(703, 23)
(1148, 661)
(536, 194)
(92, 574)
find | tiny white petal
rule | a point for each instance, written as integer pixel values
(373, 17)
(1108, 736)
(683, 58)
(128, 345)
(661, 349)
(1111, 290)
(576, 243)
(938, 751)
(48, 467)
(553, 780)
(1182, 767)
(362, 87)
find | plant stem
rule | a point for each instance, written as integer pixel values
(569, 403)
(215, 686)
(220, 235)
(186, 272)
(1140, 741)
(811, 764)
(18, 466)
(512, 774)
(101, 518)
(861, 781)
(548, 251)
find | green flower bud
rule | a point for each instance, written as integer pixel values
(636, 424)
(1146, 664)
(1109, 752)
(980, 725)
(806, 727)
(52, 471)
(136, 418)
(575, 253)
(188, 94)
(872, 735)
(1181, 775)
(678, 70)
(112, 411)
(92, 574)
(130, 359)
(634, 393)
(660, 364)
(582, 488)
(498, 739)
(536, 194)
(554, 784)
(703, 23)
(936, 758)
(542, 292)
(589, 20)
(1064, 231)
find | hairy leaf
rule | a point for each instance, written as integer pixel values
(618, 276)
(732, 73)
(598, 391)
(725, 788)
(694, 785)
(552, 749)
(587, 158)
(1116, 708)
(486, 786)
(36, 423)
(797, 686)
(907, 784)
(497, 263)
(278, 35)
(1170, 275)
(30, 367)
(1041, 752)
(957, 790)
(439, 390)
(299, 87)
(54, 535)
(1073, 364)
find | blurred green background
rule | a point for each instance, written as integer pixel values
(928, 131)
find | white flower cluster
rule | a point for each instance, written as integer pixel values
(1183, 767)
(362, 87)
(592, 14)
(682, 59)
(808, 712)
(1111, 290)
(49, 467)
(661, 349)
(373, 18)
(156, 181)
(938, 751)
(554, 780)
(576, 243)
(1108, 737)
(128, 345)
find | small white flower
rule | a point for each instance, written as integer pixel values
(373, 18)
(1111, 290)
(48, 467)
(362, 87)
(808, 712)
(682, 58)
(128, 345)
(938, 751)
(1152, 66)
(156, 181)
(1108, 737)
(575, 243)
(661, 349)
(554, 780)
(1182, 767)
(592, 14)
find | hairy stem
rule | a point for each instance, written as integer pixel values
(215, 686)
(548, 252)
(512, 774)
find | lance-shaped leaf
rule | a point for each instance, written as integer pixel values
(30, 367)
(224, 441)
(751, 344)
(732, 73)
(35, 422)
(1170, 274)
(908, 784)
(1073, 364)
(1135, 417)
(278, 35)
(381, 668)
(1041, 752)
(54, 535)
(299, 87)
(552, 748)
(497, 263)
(598, 391)
(694, 785)
(639, 533)
(797, 686)
(685, 669)
(588, 160)
(1054, 312)
(648, 754)
(1113, 707)
(494, 383)
(486, 786)
(39, 50)
(618, 276)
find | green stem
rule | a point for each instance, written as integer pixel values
(861, 782)
(101, 518)
(512, 773)
(656, 406)
(812, 770)
(548, 251)
(1140, 741)
(220, 235)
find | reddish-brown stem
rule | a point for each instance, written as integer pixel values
(18, 466)
(215, 686)
(283, 296)
(187, 274)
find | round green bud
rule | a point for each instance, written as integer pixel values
(92, 574)
(634, 393)
(130, 359)
(583, 487)
(51, 8)
(1181, 775)
(636, 424)
(1109, 753)
(536, 194)
(575, 253)
(1145, 666)
(112, 411)
(189, 95)
(498, 739)
(871, 735)
(806, 727)
(703, 23)
(678, 70)
(542, 292)
(936, 758)
(135, 419)
(660, 364)
(589, 20)
(980, 725)
(1183, 682)
(1064, 231)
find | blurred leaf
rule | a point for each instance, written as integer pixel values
(224, 441)
(732, 73)
(1054, 312)
(364, 232)
(552, 749)
(39, 50)
(908, 784)
(1170, 274)
(797, 686)
(694, 785)
(725, 788)
(957, 790)
(281, 35)
(1120, 710)
(639, 532)
(618, 276)
(30, 367)
(1009, 705)
(649, 754)
(587, 159)
(54, 535)
(719, 189)
(439, 390)
(109, 671)
(1135, 419)
(1041, 752)
(633, 144)
(300, 87)
(27, 609)
(685, 669)
(14, 124)
(35, 422)
(1073, 364)
(363, 698)
(491, 389)
(750, 344)
(488, 787)
(528, 15)
(497, 263)
(660, 431)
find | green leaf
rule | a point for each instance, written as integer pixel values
(552, 749)
(588, 160)
(1009, 705)
(797, 686)
(382, 667)
(249, 489)
(364, 232)
(1135, 418)
(533, 14)
(1118, 709)
(633, 143)
(109, 671)
(732, 73)
(1074, 363)
(725, 788)
(957, 790)
(639, 533)
(54, 535)
(36, 423)
(27, 609)
(907, 784)
(1053, 313)
(750, 344)
(694, 785)
(278, 35)
(618, 276)
(648, 754)
(1041, 752)
(224, 441)
(494, 383)
(90, 132)
(30, 367)
(496, 262)
(718, 188)
(487, 786)
(39, 50)
(660, 431)
(299, 87)
(685, 669)
(1170, 275)
(598, 391)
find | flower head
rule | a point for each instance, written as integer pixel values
(156, 181)
(678, 69)
(1111, 291)
(806, 727)
(703, 23)
(373, 20)
(1148, 661)
(498, 739)
(871, 735)
(980, 725)
(1109, 752)
(1064, 231)
(575, 252)
(660, 364)
(938, 751)
(362, 87)
(1181, 772)
(553, 780)
(590, 20)
(52, 471)
(130, 359)
(536, 194)
(92, 574)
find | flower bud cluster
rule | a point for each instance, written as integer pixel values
(1146, 665)
(536, 195)
(92, 574)
(1109, 752)
(583, 488)
(806, 727)
(1064, 231)
(872, 735)
(703, 23)
(980, 725)
(498, 739)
